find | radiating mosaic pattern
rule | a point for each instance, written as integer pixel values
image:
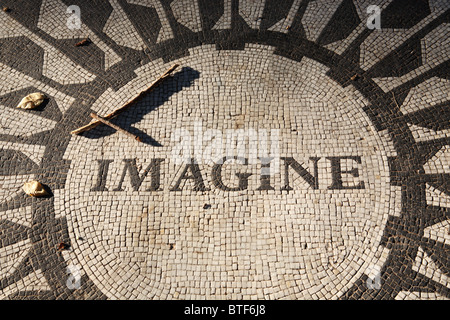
(350, 201)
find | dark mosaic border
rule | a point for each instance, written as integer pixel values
(403, 235)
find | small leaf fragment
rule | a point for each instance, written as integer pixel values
(83, 42)
(63, 246)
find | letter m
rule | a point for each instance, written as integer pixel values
(136, 179)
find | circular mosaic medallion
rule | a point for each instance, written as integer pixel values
(294, 176)
(299, 151)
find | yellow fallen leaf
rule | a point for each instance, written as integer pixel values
(31, 101)
(34, 189)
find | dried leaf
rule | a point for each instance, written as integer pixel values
(31, 101)
(63, 246)
(34, 189)
(83, 42)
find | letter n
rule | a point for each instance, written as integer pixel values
(312, 180)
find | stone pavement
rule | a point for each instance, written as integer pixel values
(300, 150)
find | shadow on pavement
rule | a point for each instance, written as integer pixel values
(149, 102)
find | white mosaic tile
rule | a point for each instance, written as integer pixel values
(317, 15)
(436, 197)
(57, 66)
(54, 20)
(13, 80)
(34, 281)
(361, 6)
(431, 92)
(439, 163)
(12, 122)
(11, 256)
(225, 20)
(421, 134)
(22, 215)
(251, 11)
(439, 232)
(406, 295)
(425, 265)
(432, 56)
(284, 24)
(187, 13)
(166, 32)
(380, 43)
(120, 29)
